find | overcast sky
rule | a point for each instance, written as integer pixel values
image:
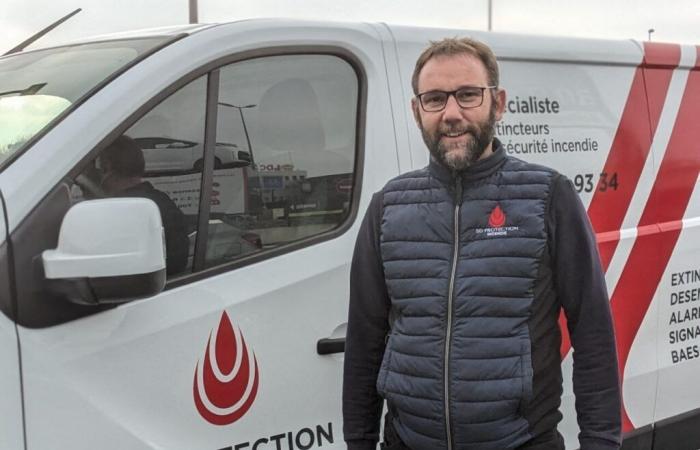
(673, 20)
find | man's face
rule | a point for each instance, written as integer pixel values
(455, 136)
(106, 177)
(110, 181)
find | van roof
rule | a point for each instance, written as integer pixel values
(508, 46)
(173, 30)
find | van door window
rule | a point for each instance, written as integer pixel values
(285, 152)
(159, 158)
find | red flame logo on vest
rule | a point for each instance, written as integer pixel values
(226, 386)
(497, 218)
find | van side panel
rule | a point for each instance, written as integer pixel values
(630, 306)
(676, 198)
(400, 102)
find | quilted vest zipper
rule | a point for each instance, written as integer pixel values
(450, 295)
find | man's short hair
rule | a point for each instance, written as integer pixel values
(125, 157)
(458, 46)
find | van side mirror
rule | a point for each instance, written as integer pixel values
(109, 251)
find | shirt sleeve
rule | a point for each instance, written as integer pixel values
(368, 325)
(581, 289)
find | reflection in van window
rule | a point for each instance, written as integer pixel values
(159, 158)
(123, 166)
(293, 119)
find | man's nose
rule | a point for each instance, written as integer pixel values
(452, 109)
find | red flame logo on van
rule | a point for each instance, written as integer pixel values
(226, 384)
(497, 218)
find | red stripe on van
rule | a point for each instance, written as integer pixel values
(632, 142)
(659, 54)
(629, 151)
(664, 210)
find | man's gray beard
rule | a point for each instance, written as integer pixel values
(481, 136)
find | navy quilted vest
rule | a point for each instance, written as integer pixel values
(457, 371)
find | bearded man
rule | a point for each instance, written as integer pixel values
(458, 277)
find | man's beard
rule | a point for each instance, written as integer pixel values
(479, 136)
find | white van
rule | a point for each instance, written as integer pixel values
(242, 347)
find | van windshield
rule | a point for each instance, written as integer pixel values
(37, 89)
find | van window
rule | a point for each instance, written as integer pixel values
(159, 158)
(289, 122)
(282, 167)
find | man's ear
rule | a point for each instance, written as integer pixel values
(416, 111)
(500, 99)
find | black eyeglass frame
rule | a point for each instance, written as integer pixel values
(453, 94)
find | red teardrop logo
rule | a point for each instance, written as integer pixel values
(497, 218)
(225, 387)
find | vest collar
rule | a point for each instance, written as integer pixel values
(480, 169)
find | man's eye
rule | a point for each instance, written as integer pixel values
(434, 98)
(467, 95)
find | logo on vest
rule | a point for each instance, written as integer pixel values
(497, 218)
(497, 224)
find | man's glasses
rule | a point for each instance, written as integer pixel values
(467, 97)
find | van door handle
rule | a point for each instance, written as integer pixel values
(327, 346)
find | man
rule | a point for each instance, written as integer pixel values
(123, 165)
(458, 277)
